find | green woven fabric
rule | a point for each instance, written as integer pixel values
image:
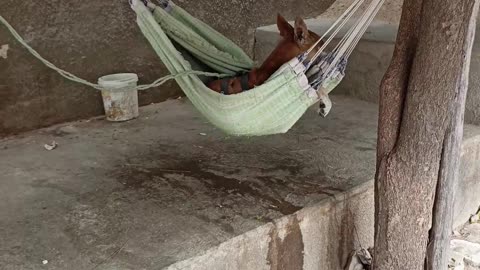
(274, 107)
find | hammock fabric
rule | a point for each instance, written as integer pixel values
(271, 108)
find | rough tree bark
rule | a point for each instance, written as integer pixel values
(422, 99)
(439, 242)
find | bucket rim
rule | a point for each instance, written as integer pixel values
(117, 80)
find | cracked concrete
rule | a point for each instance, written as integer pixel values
(154, 191)
(168, 190)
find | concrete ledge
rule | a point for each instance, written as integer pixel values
(328, 231)
(379, 31)
(370, 60)
(169, 191)
(319, 237)
(267, 37)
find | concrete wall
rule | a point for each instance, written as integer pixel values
(92, 38)
(319, 237)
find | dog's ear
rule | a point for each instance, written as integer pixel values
(286, 30)
(301, 31)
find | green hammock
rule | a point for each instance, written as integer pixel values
(271, 108)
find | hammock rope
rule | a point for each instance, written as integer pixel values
(335, 61)
(342, 20)
(69, 76)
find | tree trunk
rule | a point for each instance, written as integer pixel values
(422, 99)
(439, 243)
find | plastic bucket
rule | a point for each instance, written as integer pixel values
(120, 96)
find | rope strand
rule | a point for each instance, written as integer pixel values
(69, 76)
(345, 47)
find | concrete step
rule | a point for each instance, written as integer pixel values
(466, 247)
(169, 191)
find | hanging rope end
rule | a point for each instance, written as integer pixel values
(134, 3)
(325, 104)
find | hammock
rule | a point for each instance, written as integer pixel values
(271, 108)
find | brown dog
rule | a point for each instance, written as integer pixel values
(295, 41)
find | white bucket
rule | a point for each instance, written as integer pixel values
(120, 96)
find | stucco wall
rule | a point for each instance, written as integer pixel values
(92, 38)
